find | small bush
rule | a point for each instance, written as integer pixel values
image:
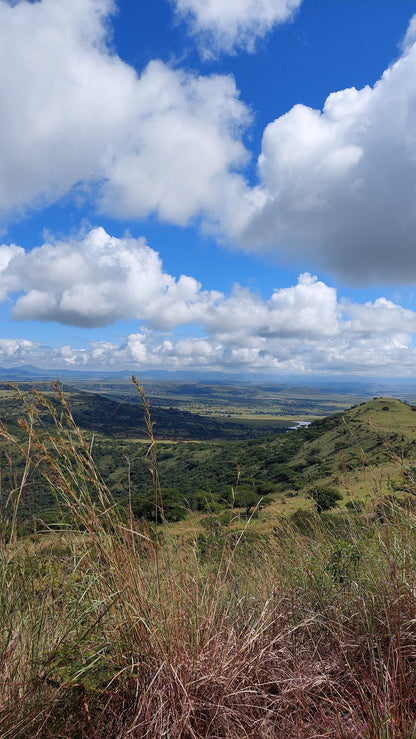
(325, 497)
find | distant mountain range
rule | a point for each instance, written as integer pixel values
(29, 372)
(331, 383)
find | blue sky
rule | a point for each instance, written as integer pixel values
(206, 185)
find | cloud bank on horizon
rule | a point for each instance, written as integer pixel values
(96, 279)
(335, 187)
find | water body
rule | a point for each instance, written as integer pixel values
(299, 425)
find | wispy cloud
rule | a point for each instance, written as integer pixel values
(234, 24)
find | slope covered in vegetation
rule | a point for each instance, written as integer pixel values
(124, 419)
(354, 452)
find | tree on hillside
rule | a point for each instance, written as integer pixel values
(325, 497)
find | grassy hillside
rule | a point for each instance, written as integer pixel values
(362, 448)
(359, 453)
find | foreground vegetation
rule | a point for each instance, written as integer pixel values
(112, 627)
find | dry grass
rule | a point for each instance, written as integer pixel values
(111, 630)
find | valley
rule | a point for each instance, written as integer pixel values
(208, 465)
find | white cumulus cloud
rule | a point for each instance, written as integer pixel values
(96, 279)
(383, 316)
(338, 186)
(75, 115)
(182, 148)
(291, 311)
(346, 353)
(227, 25)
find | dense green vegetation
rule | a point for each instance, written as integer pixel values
(333, 453)
(109, 417)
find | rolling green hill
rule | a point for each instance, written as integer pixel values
(358, 452)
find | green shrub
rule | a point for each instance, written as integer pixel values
(325, 497)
